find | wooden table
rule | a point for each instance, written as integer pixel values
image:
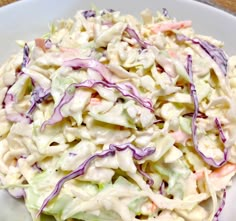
(5, 2)
(228, 5)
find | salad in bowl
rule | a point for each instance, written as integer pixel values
(109, 118)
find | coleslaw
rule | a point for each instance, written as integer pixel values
(109, 118)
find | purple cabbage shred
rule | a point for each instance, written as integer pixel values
(72, 154)
(150, 181)
(11, 114)
(124, 89)
(89, 13)
(181, 38)
(18, 117)
(48, 43)
(9, 98)
(219, 127)
(165, 12)
(57, 115)
(106, 75)
(200, 115)
(162, 188)
(217, 214)
(37, 167)
(208, 160)
(26, 52)
(109, 10)
(133, 34)
(138, 154)
(38, 96)
(216, 54)
(89, 63)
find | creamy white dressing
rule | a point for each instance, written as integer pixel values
(153, 108)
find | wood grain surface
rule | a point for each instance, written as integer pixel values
(228, 5)
(5, 2)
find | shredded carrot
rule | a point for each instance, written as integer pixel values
(199, 175)
(64, 49)
(70, 53)
(219, 172)
(154, 207)
(171, 26)
(172, 54)
(224, 171)
(180, 136)
(95, 101)
(40, 42)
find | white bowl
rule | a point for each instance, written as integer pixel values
(28, 19)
